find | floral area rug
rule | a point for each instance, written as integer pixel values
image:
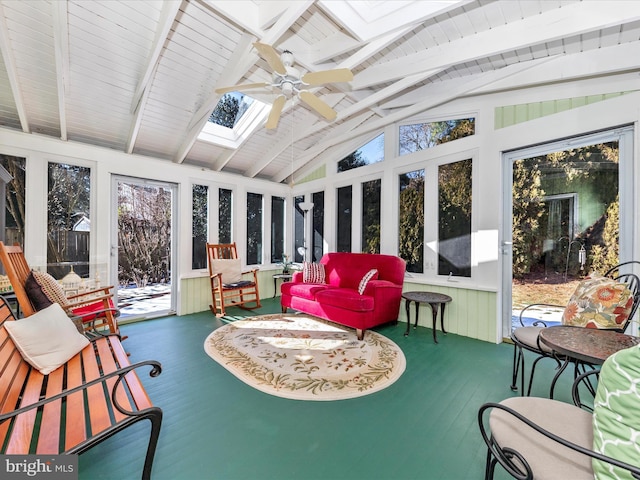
(305, 358)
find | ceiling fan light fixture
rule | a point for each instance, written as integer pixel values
(287, 89)
(287, 58)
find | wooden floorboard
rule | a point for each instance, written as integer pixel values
(216, 427)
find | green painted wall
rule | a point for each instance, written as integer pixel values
(513, 114)
(471, 313)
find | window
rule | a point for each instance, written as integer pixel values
(68, 219)
(454, 219)
(254, 228)
(372, 152)
(199, 226)
(225, 198)
(231, 107)
(317, 241)
(12, 190)
(411, 220)
(344, 219)
(426, 135)
(277, 229)
(371, 216)
(298, 225)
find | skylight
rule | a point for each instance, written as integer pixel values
(233, 119)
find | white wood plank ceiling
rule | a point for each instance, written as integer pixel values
(139, 75)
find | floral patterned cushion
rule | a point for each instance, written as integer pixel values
(599, 303)
(616, 423)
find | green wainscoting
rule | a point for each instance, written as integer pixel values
(195, 292)
(472, 313)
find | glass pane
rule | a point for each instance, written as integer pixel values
(277, 229)
(426, 135)
(372, 152)
(411, 220)
(317, 241)
(371, 216)
(454, 219)
(224, 215)
(68, 220)
(254, 228)
(13, 193)
(565, 222)
(298, 224)
(230, 109)
(199, 226)
(144, 239)
(344, 219)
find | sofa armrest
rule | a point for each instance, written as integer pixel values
(297, 277)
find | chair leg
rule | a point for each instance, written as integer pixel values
(490, 466)
(516, 361)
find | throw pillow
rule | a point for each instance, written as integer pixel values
(599, 303)
(313, 272)
(34, 291)
(616, 424)
(46, 339)
(50, 287)
(370, 275)
(229, 268)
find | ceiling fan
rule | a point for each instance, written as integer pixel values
(287, 80)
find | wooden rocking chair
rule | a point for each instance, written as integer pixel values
(228, 288)
(94, 308)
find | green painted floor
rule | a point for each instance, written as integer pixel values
(215, 427)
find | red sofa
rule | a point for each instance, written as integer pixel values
(339, 301)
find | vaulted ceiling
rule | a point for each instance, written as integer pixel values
(139, 76)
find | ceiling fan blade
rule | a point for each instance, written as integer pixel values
(328, 76)
(242, 88)
(274, 115)
(318, 105)
(271, 56)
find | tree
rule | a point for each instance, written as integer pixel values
(371, 216)
(144, 234)
(15, 196)
(411, 220)
(528, 207)
(226, 111)
(68, 199)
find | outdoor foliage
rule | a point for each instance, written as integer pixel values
(144, 223)
(68, 201)
(225, 112)
(200, 225)
(15, 198)
(565, 171)
(411, 220)
(426, 135)
(371, 192)
(454, 218)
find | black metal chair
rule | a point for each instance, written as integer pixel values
(541, 438)
(527, 338)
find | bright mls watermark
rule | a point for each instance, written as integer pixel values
(49, 467)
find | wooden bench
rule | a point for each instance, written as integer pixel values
(93, 396)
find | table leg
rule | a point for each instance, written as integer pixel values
(442, 318)
(406, 306)
(434, 314)
(557, 375)
(275, 286)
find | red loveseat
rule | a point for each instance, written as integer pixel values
(339, 301)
